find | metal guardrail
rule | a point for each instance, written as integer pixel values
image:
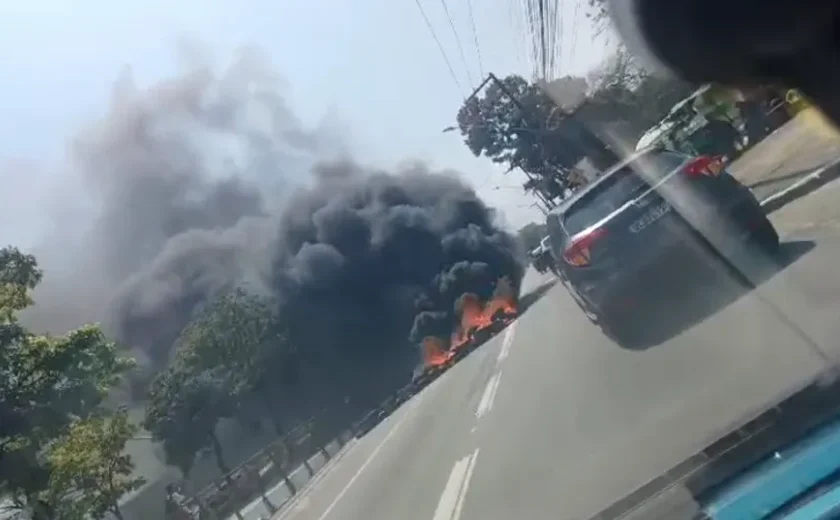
(286, 462)
(250, 480)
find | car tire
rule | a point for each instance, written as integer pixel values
(765, 236)
(590, 313)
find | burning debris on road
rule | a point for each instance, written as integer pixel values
(478, 322)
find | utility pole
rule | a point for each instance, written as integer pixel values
(546, 202)
(542, 209)
(538, 127)
(539, 131)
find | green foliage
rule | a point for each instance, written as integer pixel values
(598, 13)
(625, 93)
(89, 470)
(184, 409)
(47, 383)
(19, 274)
(495, 126)
(531, 133)
(239, 331)
(234, 351)
(518, 124)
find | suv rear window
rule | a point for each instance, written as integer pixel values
(619, 188)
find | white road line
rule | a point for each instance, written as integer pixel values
(300, 500)
(507, 342)
(372, 456)
(449, 498)
(452, 500)
(486, 402)
(467, 478)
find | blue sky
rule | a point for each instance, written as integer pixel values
(372, 62)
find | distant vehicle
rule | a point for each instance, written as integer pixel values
(621, 237)
(721, 121)
(541, 257)
(687, 130)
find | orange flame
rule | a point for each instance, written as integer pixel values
(475, 316)
(434, 353)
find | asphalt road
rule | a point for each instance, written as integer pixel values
(552, 420)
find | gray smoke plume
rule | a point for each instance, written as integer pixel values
(209, 181)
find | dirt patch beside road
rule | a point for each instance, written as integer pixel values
(802, 145)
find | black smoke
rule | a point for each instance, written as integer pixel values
(209, 181)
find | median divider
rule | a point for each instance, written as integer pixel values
(266, 482)
(274, 478)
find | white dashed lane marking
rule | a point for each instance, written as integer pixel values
(488, 396)
(452, 500)
(507, 341)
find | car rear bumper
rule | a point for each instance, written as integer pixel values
(664, 279)
(681, 256)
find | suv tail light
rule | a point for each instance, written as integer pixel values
(577, 253)
(707, 165)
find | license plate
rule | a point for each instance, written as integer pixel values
(650, 217)
(643, 202)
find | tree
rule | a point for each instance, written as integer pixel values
(625, 93)
(598, 13)
(242, 333)
(183, 411)
(19, 274)
(46, 384)
(89, 471)
(529, 132)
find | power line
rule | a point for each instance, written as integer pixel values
(533, 21)
(575, 28)
(533, 52)
(543, 47)
(543, 18)
(517, 24)
(551, 37)
(547, 32)
(440, 47)
(457, 41)
(475, 37)
(559, 20)
(555, 51)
